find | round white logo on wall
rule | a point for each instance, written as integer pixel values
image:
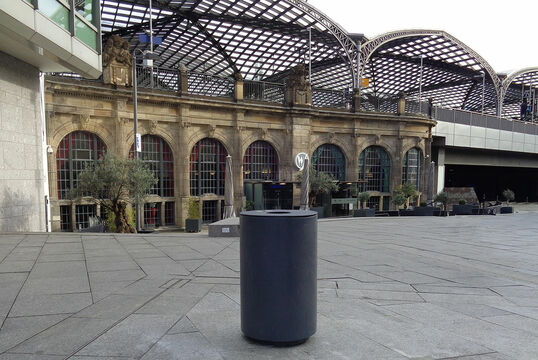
(299, 160)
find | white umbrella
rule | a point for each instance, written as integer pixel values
(228, 191)
(305, 185)
(430, 182)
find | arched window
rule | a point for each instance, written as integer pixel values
(158, 156)
(260, 162)
(411, 167)
(75, 151)
(207, 167)
(328, 158)
(374, 170)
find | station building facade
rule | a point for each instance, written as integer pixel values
(186, 138)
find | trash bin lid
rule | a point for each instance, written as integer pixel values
(279, 213)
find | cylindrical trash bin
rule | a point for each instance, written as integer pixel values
(278, 252)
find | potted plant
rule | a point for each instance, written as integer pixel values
(364, 211)
(424, 209)
(402, 196)
(442, 198)
(320, 183)
(399, 199)
(509, 196)
(193, 223)
(464, 209)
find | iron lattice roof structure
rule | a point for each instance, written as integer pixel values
(260, 39)
(264, 39)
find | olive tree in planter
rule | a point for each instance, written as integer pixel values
(193, 222)
(442, 198)
(320, 183)
(114, 183)
(364, 211)
(398, 198)
(509, 196)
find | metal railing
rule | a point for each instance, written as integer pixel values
(327, 98)
(163, 78)
(263, 91)
(210, 85)
(483, 120)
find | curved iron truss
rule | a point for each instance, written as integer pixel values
(263, 39)
(452, 73)
(259, 39)
(515, 87)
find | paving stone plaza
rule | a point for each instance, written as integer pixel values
(461, 287)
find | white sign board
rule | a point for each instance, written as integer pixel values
(138, 143)
(299, 160)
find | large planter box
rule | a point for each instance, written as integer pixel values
(193, 225)
(464, 209)
(425, 211)
(507, 210)
(320, 210)
(406, 212)
(364, 213)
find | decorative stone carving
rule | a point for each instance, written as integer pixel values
(330, 136)
(298, 90)
(152, 126)
(211, 130)
(83, 120)
(377, 139)
(263, 133)
(117, 62)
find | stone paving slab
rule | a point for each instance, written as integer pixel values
(427, 288)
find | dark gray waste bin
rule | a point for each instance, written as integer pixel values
(278, 275)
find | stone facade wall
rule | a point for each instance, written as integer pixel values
(22, 202)
(184, 120)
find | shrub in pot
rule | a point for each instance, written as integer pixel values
(509, 196)
(398, 198)
(363, 197)
(442, 198)
(193, 223)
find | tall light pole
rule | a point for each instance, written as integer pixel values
(420, 84)
(483, 90)
(137, 137)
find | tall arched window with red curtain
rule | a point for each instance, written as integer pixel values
(207, 167)
(260, 162)
(75, 152)
(157, 155)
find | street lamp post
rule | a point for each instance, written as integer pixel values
(137, 137)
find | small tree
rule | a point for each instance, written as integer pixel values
(364, 197)
(320, 183)
(509, 196)
(442, 197)
(398, 198)
(193, 212)
(114, 182)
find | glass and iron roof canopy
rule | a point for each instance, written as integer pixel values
(264, 39)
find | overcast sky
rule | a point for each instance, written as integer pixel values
(503, 34)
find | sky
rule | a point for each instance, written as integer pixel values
(504, 34)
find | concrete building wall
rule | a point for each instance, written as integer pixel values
(22, 203)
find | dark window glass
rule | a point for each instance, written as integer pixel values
(152, 214)
(374, 170)
(157, 155)
(207, 167)
(411, 169)
(74, 153)
(65, 218)
(169, 213)
(260, 162)
(328, 158)
(82, 215)
(209, 211)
